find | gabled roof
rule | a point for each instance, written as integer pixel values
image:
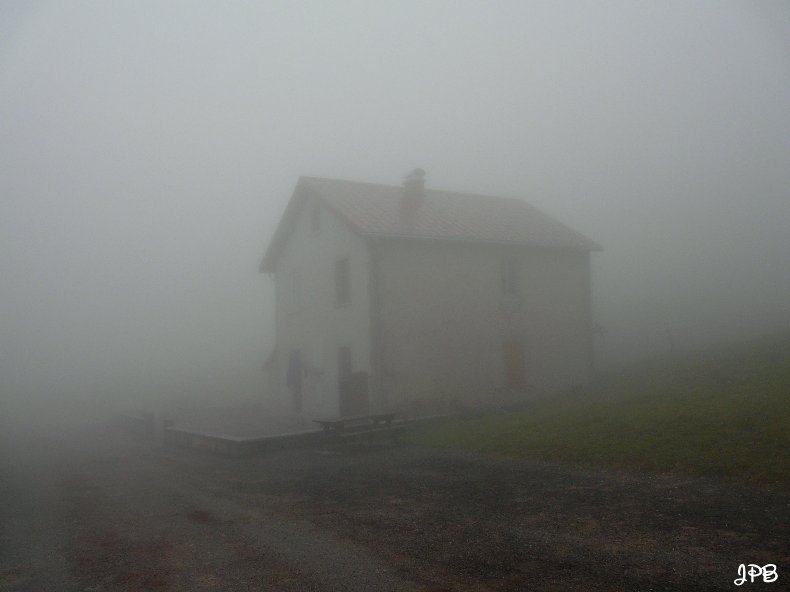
(375, 211)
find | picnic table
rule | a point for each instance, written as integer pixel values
(359, 422)
(361, 427)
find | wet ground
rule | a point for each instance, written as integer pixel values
(95, 510)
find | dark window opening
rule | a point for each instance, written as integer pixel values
(344, 362)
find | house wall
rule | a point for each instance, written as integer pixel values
(307, 317)
(444, 321)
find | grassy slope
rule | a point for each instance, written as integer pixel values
(725, 415)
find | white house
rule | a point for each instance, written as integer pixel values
(393, 296)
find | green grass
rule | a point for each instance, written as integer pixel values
(725, 415)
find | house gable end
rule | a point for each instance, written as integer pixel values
(302, 195)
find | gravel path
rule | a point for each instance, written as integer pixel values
(92, 510)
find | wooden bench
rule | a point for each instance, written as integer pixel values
(358, 422)
(361, 427)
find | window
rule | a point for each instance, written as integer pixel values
(342, 283)
(510, 276)
(315, 218)
(344, 362)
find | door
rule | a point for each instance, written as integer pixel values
(294, 379)
(514, 354)
(352, 386)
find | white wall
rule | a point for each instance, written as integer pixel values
(444, 320)
(306, 315)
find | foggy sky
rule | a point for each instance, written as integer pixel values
(148, 149)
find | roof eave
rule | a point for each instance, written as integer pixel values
(592, 246)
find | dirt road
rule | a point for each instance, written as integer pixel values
(92, 510)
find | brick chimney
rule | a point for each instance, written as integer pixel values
(413, 194)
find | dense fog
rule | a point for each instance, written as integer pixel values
(148, 150)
